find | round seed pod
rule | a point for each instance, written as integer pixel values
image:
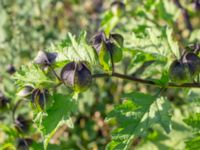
(24, 143)
(178, 71)
(77, 76)
(11, 69)
(193, 63)
(22, 124)
(45, 58)
(3, 102)
(117, 8)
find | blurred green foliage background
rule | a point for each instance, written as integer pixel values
(27, 26)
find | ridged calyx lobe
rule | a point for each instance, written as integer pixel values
(39, 98)
(107, 46)
(44, 58)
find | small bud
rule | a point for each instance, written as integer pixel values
(45, 58)
(10, 69)
(178, 71)
(117, 8)
(77, 76)
(26, 91)
(193, 63)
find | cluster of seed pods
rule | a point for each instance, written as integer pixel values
(186, 68)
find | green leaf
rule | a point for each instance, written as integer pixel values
(39, 146)
(158, 43)
(138, 113)
(194, 37)
(173, 46)
(57, 115)
(109, 22)
(76, 49)
(33, 75)
(104, 57)
(193, 144)
(117, 54)
(158, 140)
(163, 80)
(193, 121)
(163, 13)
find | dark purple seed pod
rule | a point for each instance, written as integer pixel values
(97, 41)
(10, 69)
(22, 124)
(77, 76)
(178, 72)
(24, 143)
(3, 101)
(45, 58)
(39, 98)
(193, 62)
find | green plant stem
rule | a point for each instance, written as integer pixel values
(112, 62)
(57, 85)
(147, 82)
(54, 72)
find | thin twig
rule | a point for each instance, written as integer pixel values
(185, 14)
(112, 61)
(57, 85)
(148, 82)
(54, 72)
(15, 108)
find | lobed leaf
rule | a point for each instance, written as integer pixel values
(76, 49)
(32, 75)
(193, 121)
(57, 115)
(136, 116)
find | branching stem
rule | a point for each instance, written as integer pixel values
(185, 14)
(148, 82)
